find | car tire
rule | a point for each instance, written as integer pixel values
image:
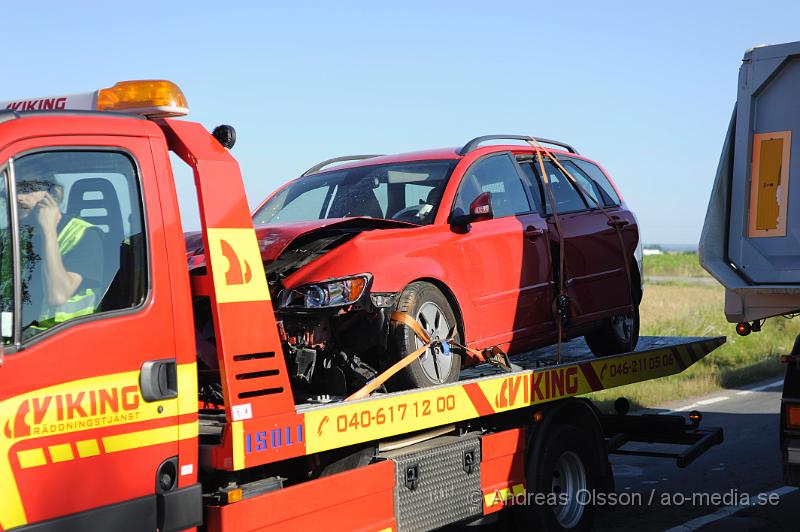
(618, 334)
(566, 469)
(429, 306)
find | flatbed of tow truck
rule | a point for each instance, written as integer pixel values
(438, 446)
(483, 390)
(538, 380)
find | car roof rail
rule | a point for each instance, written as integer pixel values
(477, 141)
(317, 167)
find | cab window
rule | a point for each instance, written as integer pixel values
(79, 236)
(497, 175)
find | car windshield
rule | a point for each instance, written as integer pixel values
(408, 192)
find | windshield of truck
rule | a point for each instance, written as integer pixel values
(408, 192)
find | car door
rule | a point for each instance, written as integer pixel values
(505, 257)
(595, 277)
(79, 430)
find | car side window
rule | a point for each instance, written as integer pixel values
(497, 175)
(566, 196)
(80, 237)
(534, 184)
(587, 186)
(605, 188)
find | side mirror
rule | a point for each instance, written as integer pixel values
(479, 209)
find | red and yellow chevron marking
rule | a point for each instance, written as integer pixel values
(342, 424)
(76, 407)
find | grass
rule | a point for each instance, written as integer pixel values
(678, 309)
(674, 265)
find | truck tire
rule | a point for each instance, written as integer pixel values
(426, 304)
(561, 477)
(618, 334)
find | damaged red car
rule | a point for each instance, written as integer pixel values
(465, 241)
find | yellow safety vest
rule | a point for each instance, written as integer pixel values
(82, 303)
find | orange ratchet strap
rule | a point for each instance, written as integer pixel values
(494, 355)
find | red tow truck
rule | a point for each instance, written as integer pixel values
(106, 423)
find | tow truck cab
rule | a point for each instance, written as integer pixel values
(103, 406)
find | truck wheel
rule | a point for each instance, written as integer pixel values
(560, 481)
(426, 304)
(618, 334)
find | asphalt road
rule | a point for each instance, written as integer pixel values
(745, 466)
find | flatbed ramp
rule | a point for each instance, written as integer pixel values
(485, 390)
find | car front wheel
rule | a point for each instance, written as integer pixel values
(429, 307)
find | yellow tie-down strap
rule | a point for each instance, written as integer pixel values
(79, 406)
(381, 416)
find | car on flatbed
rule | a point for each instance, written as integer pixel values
(462, 239)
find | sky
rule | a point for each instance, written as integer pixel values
(646, 89)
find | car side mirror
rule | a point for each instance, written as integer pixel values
(480, 209)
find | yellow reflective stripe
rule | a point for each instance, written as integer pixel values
(145, 438)
(80, 304)
(87, 448)
(187, 389)
(60, 453)
(31, 458)
(71, 234)
(502, 495)
(12, 512)
(237, 433)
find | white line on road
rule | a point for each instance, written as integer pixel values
(761, 388)
(704, 402)
(712, 400)
(726, 511)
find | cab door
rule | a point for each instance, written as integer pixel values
(505, 257)
(85, 424)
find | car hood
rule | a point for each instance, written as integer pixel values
(285, 247)
(274, 239)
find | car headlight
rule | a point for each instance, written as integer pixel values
(333, 293)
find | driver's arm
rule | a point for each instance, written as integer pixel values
(60, 284)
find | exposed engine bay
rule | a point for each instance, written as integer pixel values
(334, 333)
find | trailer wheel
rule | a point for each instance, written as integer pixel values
(618, 334)
(426, 304)
(561, 478)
